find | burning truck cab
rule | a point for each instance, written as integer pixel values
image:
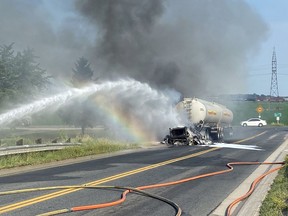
(182, 136)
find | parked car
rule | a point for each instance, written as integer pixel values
(254, 122)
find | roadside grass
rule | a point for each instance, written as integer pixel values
(89, 146)
(244, 110)
(9, 137)
(11, 141)
(276, 201)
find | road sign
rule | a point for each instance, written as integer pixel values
(277, 115)
(259, 109)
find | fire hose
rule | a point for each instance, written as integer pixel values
(139, 190)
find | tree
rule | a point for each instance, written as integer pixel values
(6, 74)
(80, 111)
(21, 77)
(82, 73)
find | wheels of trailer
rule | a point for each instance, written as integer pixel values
(220, 134)
(208, 134)
(217, 134)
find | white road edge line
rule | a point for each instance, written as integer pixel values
(252, 204)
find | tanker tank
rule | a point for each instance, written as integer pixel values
(199, 111)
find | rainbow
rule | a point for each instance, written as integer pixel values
(132, 127)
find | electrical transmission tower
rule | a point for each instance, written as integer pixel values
(274, 83)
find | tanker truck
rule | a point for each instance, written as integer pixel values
(208, 121)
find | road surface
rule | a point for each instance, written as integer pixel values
(143, 167)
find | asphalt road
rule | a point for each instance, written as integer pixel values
(143, 167)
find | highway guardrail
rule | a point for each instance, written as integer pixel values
(10, 150)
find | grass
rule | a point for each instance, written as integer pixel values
(9, 137)
(244, 110)
(90, 146)
(11, 141)
(276, 201)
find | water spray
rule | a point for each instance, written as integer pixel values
(149, 106)
(58, 100)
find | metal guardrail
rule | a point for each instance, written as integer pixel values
(10, 150)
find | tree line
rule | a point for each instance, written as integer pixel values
(22, 79)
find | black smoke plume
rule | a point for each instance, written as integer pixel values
(196, 46)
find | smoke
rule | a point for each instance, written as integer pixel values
(192, 46)
(196, 46)
(39, 25)
(142, 113)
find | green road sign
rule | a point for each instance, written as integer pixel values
(277, 115)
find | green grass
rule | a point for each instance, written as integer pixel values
(9, 137)
(89, 146)
(11, 141)
(243, 110)
(276, 201)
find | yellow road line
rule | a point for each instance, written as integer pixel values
(249, 138)
(35, 200)
(25, 203)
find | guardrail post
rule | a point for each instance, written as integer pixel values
(38, 141)
(19, 142)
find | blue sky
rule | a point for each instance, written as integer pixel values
(275, 15)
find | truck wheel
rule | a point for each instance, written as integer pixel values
(220, 135)
(168, 141)
(207, 134)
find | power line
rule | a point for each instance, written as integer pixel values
(266, 74)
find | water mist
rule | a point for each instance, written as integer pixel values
(145, 109)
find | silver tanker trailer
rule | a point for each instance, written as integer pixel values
(209, 122)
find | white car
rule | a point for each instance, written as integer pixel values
(254, 122)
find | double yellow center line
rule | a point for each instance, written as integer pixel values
(35, 200)
(32, 201)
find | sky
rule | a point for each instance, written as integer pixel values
(275, 15)
(196, 47)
